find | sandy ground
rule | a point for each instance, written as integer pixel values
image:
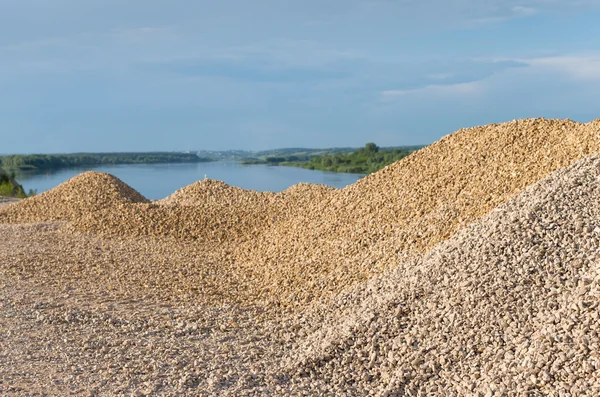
(62, 336)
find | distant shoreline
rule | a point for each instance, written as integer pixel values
(48, 162)
(362, 161)
(339, 160)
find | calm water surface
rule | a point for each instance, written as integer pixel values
(157, 181)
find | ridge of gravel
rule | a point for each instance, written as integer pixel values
(345, 237)
(507, 306)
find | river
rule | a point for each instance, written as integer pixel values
(157, 181)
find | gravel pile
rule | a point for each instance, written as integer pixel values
(507, 306)
(350, 235)
(84, 194)
(207, 211)
(510, 304)
(211, 192)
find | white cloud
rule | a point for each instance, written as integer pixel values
(576, 66)
(438, 90)
(570, 70)
(579, 67)
(523, 11)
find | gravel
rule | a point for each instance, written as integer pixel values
(83, 194)
(508, 305)
(443, 274)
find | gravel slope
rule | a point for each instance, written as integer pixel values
(510, 304)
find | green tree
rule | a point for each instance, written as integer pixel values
(371, 148)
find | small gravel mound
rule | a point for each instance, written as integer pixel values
(212, 192)
(206, 211)
(81, 195)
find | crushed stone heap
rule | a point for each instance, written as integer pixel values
(443, 274)
(81, 195)
(411, 205)
(510, 304)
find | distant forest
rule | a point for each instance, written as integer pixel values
(366, 160)
(362, 161)
(54, 161)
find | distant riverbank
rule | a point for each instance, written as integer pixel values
(365, 160)
(48, 162)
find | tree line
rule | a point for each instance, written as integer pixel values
(365, 160)
(54, 161)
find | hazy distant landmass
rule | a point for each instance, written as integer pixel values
(250, 157)
(365, 160)
(354, 160)
(55, 161)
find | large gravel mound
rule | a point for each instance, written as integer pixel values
(81, 195)
(510, 304)
(411, 205)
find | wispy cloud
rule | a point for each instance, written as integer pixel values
(575, 66)
(579, 67)
(446, 90)
(523, 11)
(505, 14)
(458, 77)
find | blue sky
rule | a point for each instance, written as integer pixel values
(232, 74)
